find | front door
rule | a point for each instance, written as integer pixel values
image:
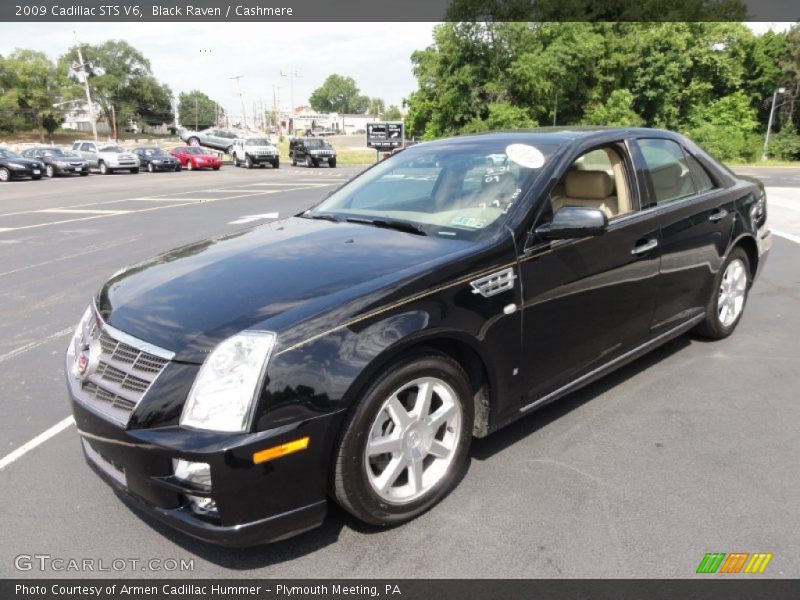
(589, 300)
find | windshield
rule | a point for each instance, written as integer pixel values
(112, 149)
(193, 150)
(458, 190)
(316, 144)
(8, 153)
(257, 142)
(153, 152)
(53, 152)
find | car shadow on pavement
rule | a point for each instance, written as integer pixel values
(258, 557)
(484, 449)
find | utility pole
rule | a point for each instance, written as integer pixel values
(769, 123)
(291, 74)
(241, 99)
(195, 112)
(85, 76)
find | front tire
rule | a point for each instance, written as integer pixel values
(150, 168)
(292, 160)
(189, 165)
(332, 163)
(309, 163)
(728, 297)
(50, 171)
(193, 141)
(135, 171)
(405, 443)
(5, 174)
(276, 164)
(104, 170)
(248, 162)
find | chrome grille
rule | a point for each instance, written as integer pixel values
(120, 370)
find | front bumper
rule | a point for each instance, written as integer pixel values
(263, 158)
(27, 172)
(171, 166)
(71, 169)
(255, 503)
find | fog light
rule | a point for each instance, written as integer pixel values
(198, 475)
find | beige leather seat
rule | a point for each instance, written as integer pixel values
(592, 189)
(670, 182)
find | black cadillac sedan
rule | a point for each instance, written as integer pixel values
(235, 386)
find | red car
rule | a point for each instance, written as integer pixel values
(193, 157)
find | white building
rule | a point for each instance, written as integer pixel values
(306, 118)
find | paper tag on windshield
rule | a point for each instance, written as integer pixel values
(525, 156)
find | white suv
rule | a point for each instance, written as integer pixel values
(255, 151)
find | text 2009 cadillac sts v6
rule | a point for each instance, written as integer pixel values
(232, 386)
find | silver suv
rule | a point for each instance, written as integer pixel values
(106, 158)
(219, 139)
(255, 151)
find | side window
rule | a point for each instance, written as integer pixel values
(595, 179)
(701, 177)
(668, 170)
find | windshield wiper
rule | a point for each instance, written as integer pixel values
(322, 216)
(405, 226)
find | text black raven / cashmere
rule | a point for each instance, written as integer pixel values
(234, 386)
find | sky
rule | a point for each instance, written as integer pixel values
(206, 56)
(189, 56)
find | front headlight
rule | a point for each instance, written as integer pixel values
(225, 389)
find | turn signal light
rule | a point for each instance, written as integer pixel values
(282, 450)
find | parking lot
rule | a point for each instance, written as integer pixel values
(692, 449)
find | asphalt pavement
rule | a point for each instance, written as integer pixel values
(692, 449)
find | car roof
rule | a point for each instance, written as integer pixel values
(556, 136)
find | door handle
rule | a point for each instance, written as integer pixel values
(718, 215)
(645, 246)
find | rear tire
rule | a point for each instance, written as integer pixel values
(400, 454)
(728, 297)
(193, 141)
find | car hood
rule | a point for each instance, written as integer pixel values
(31, 162)
(271, 277)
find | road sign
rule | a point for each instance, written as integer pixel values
(385, 136)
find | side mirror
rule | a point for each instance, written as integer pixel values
(574, 222)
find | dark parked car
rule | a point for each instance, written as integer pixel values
(15, 166)
(311, 152)
(233, 387)
(58, 162)
(155, 159)
(192, 158)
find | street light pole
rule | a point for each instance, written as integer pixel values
(769, 123)
(241, 99)
(291, 75)
(82, 66)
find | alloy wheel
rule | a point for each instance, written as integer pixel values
(412, 440)
(49, 171)
(5, 174)
(732, 290)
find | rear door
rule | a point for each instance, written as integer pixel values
(695, 214)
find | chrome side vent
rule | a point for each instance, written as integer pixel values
(494, 283)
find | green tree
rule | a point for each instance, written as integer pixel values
(726, 127)
(197, 110)
(339, 94)
(376, 107)
(122, 82)
(392, 114)
(32, 85)
(617, 110)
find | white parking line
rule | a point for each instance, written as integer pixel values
(32, 345)
(787, 236)
(37, 441)
(251, 218)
